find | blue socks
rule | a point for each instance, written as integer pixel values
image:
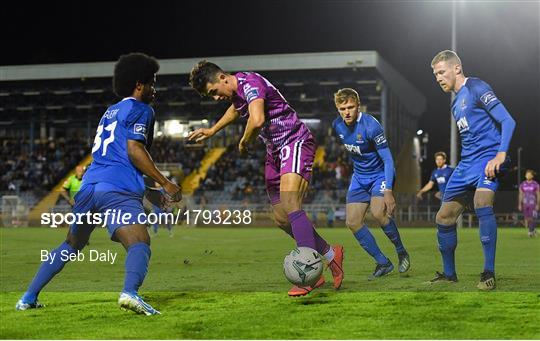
(368, 243)
(392, 233)
(447, 237)
(138, 256)
(48, 269)
(488, 236)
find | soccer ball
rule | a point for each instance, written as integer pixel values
(303, 266)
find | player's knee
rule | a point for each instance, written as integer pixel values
(353, 224)
(482, 203)
(379, 216)
(445, 217)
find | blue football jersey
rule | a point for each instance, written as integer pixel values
(480, 132)
(126, 120)
(440, 176)
(362, 140)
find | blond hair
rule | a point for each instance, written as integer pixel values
(446, 55)
(343, 95)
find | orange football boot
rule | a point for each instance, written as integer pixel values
(336, 266)
(297, 291)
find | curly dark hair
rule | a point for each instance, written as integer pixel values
(132, 68)
(203, 73)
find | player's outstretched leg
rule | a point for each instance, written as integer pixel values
(76, 239)
(292, 190)
(390, 229)
(136, 241)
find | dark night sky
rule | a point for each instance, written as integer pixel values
(497, 41)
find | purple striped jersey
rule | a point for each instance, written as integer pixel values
(282, 125)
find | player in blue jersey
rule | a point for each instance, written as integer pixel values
(486, 129)
(439, 176)
(114, 181)
(372, 180)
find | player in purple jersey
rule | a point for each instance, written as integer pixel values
(529, 201)
(289, 156)
(114, 182)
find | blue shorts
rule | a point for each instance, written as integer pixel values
(125, 208)
(362, 189)
(470, 175)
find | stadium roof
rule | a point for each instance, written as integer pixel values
(411, 98)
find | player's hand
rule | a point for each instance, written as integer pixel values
(201, 134)
(438, 195)
(173, 191)
(71, 202)
(389, 202)
(242, 147)
(493, 166)
(419, 196)
(519, 207)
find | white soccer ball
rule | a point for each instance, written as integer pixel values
(303, 266)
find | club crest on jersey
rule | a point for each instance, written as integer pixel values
(488, 97)
(463, 125)
(140, 129)
(359, 138)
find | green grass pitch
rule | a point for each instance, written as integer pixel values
(228, 284)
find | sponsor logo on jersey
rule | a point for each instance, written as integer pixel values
(488, 97)
(463, 125)
(353, 149)
(441, 180)
(140, 129)
(380, 139)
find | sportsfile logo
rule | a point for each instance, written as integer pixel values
(380, 139)
(140, 129)
(488, 97)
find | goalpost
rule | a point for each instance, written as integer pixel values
(14, 211)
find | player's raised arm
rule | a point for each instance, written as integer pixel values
(254, 124)
(141, 159)
(202, 134)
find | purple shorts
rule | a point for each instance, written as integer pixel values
(529, 212)
(295, 157)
